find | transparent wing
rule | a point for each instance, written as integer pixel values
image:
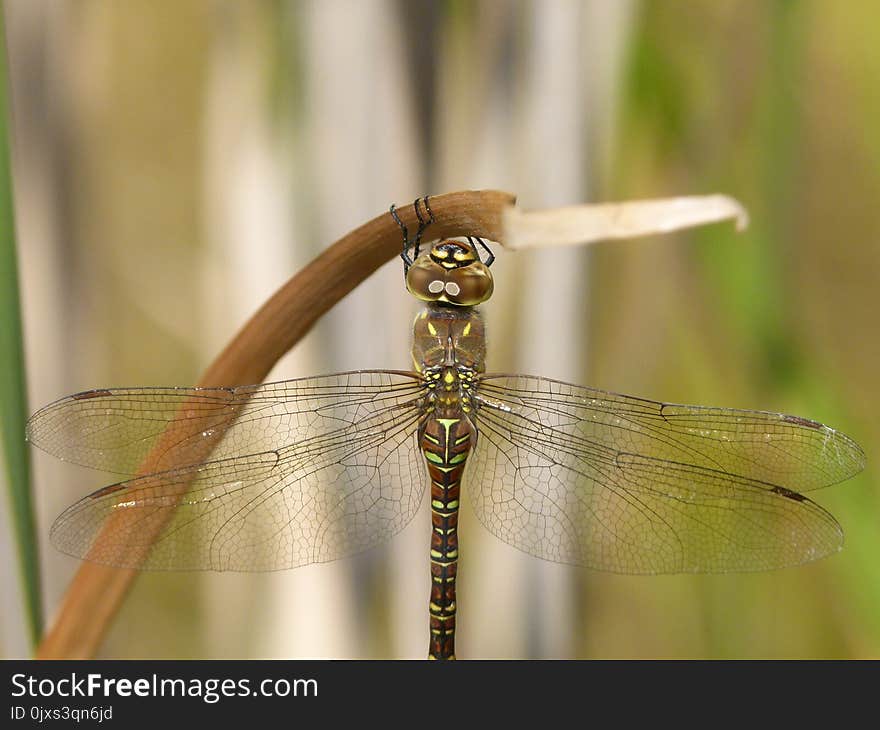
(301, 471)
(115, 430)
(617, 483)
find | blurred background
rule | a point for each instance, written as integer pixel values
(175, 162)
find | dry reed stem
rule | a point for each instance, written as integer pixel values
(579, 224)
(96, 592)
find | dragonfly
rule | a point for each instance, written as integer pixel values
(279, 475)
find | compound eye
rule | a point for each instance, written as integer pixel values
(425, 279)
(469, 285)
(465, 285)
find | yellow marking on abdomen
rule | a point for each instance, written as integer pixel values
(434, 607)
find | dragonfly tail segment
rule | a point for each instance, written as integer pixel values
(446, 443)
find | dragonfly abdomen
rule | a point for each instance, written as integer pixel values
(446, 443)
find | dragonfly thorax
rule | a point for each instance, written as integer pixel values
(451, 388)
(445, 337)
(450, 273)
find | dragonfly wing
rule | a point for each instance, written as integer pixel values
(143, 430)
(332, 493)
(774, 447)
(621, 484)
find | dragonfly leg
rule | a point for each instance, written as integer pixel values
(407, 259)
(423, 223)
(415, 244)
(490, 256)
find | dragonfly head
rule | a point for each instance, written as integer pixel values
(452, 273)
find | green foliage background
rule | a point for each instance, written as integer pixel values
(131, 117)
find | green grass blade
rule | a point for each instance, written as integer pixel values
(13, 405)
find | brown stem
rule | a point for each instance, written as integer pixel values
(96, 592)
